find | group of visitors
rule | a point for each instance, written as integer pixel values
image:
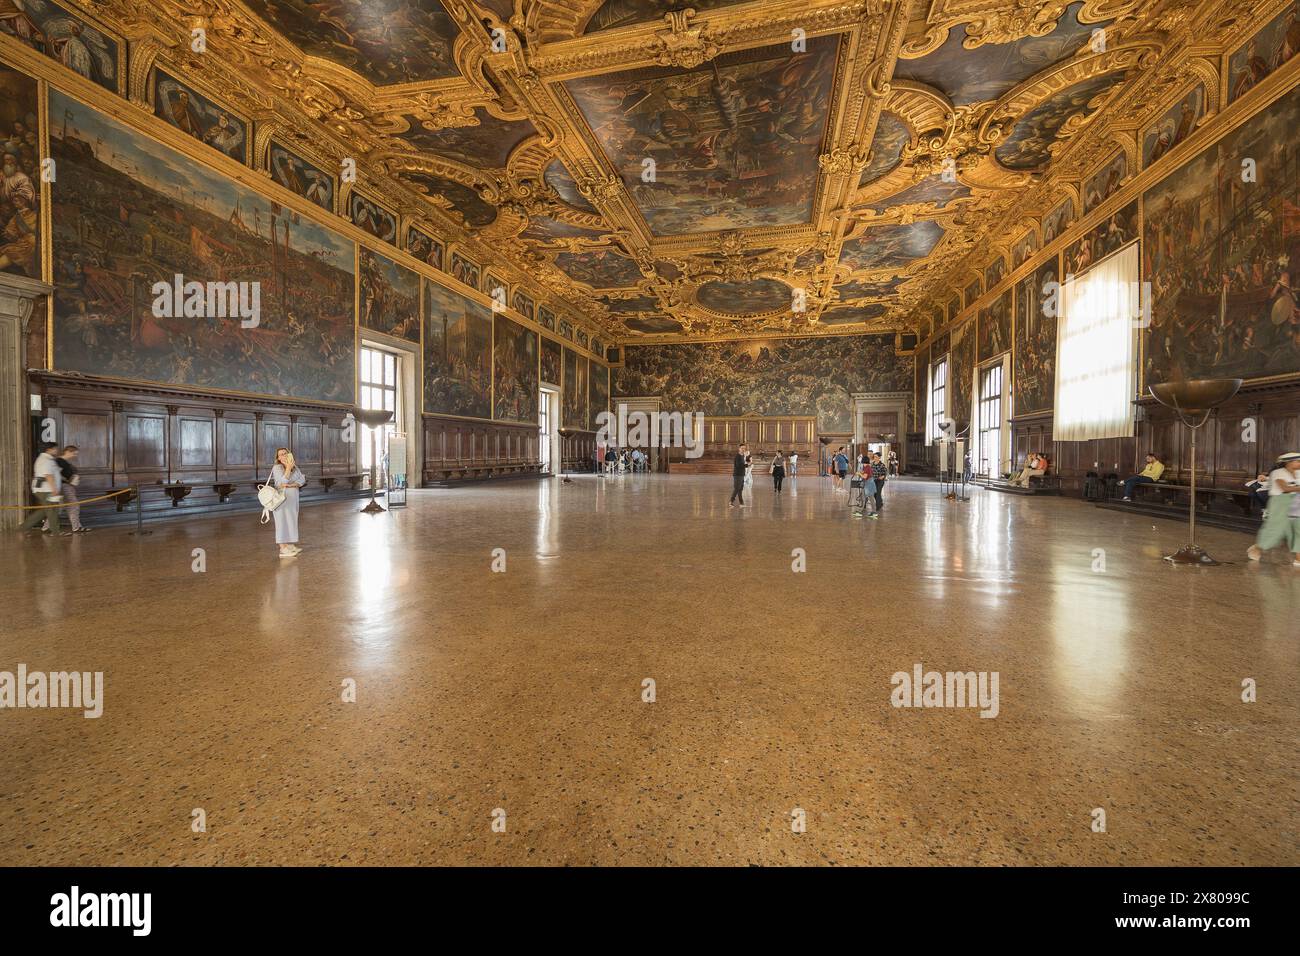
(1036, 466)
(742, 472)
(54, 485)
(622, 461)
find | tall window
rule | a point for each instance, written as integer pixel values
(990, 419)
(544, 428)
(1095, 344)
(938, 389)
(378, 390)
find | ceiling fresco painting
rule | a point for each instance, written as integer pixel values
(383, 41)
(488, 143)
(733, 144)
(684, 159)
(600, 268)
(886, 147)
(738, 298)
(890, 246)
(613, 14)
(968, 76)
(466, 202)
(1030, 143)
(932, 190)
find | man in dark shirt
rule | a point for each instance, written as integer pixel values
(878, 472)
(738, 476)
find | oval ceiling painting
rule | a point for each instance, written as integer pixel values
(740, 298)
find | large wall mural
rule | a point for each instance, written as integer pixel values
(1034, 356)
(552, 361)
(130, 212)
(514, 372)
(799, 376)
(457, 354)
(574, 399)
(734, 142)
(995, 327)
(961, 370)
(599, 396)
(390, 296)
(1219, 253)
(20, 184)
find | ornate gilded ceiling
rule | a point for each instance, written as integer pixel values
(709, 168)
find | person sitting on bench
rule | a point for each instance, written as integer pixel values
(1035, 467)
(1259, 490)
(1148, 476)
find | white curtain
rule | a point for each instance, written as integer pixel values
(929, 404)
(1095, 343)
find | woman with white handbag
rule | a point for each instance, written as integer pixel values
(279, 498)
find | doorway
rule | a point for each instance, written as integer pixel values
(385, 379)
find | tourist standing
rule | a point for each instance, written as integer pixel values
(777, 468)
(878, 473)
(793, 461)
(1282, 521)
(47, 483)
(286, 476)
(749, 470)
(71, 479)
(840, 468)
(737, 478)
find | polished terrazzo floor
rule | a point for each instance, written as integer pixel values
(1119, 689)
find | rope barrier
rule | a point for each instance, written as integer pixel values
(65, 504)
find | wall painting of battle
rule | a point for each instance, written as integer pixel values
(131, 212)
(514, 372)
(1219, 254)
(457, 354)
(599, 399)
(575, 390)
(1034, 356)
(390, 297)
(552, 361)
(20, 188)
(995, 327)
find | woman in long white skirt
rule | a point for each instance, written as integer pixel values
(286, 476)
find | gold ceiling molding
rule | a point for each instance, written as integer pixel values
(326, 112)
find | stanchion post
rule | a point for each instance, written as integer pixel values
(139, 513)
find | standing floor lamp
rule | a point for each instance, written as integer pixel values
(372, 418)
(1193, 401)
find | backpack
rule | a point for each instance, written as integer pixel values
(270, 498)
